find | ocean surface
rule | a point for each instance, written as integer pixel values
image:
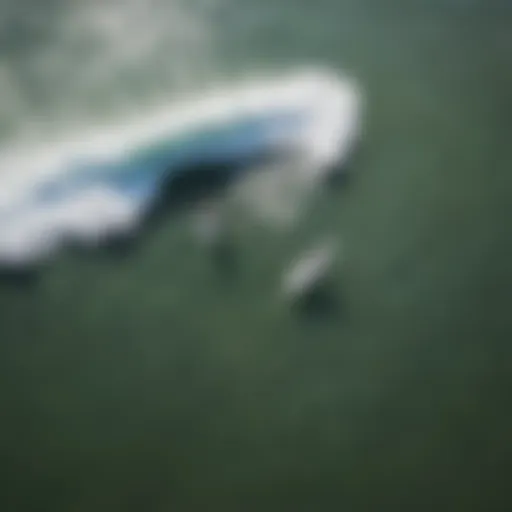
(156, 382)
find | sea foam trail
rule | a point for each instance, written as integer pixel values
(101, 181)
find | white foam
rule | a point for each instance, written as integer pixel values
(333, 100)
(29, 232)
(34, 232)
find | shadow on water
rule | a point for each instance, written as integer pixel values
(181, 193)
(341, 175)
(176, 198)
(24, 279)
(321, 304)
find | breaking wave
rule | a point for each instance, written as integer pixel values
(102, 179)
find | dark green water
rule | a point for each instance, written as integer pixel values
(152, 384)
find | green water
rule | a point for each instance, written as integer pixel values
(152, 383)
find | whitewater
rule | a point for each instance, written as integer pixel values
(97, 178)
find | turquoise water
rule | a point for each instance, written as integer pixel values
(156, 383)
(141, 172)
